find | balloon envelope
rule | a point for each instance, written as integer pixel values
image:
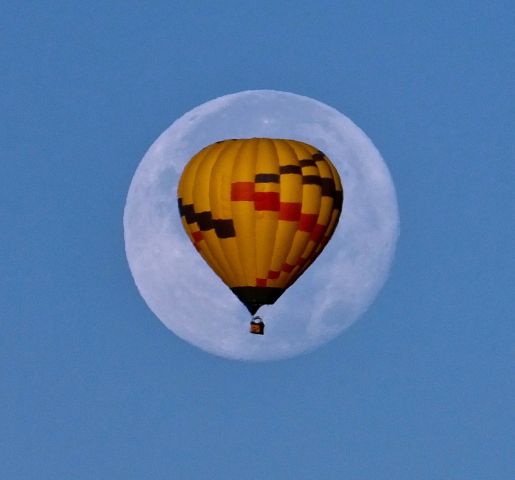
(259, 211)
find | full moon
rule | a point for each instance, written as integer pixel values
(335, 291)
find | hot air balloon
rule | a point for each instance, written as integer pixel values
(259, 211)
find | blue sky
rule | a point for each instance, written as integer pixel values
(94, 386)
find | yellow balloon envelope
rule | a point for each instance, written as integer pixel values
(259, 211)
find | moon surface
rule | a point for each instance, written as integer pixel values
(192, 301)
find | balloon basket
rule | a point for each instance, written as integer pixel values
(257, 327)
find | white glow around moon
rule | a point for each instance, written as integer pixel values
(191, 300)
